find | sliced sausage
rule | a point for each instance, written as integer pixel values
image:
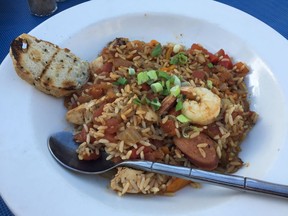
(193, 149)
(167, 103)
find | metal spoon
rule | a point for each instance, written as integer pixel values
(63, 148)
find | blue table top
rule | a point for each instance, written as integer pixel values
(15, 18)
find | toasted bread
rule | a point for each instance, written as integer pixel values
(49, 68)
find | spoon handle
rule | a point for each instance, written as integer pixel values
(223, 180)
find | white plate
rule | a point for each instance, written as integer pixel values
(32, 183)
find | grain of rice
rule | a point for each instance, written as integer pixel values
(178, 134)
(202, 145)
(165, 119)
(145, 143)
(142, 155)
(194, 134)
(202, 152)
(218, 151)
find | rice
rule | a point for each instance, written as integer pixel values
(124, 119)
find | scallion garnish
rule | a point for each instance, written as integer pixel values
(179, 104)
(156, 87)
(175, 90)
(142, 77)
(164, 75)
(182, 118)
(176, 80)
(131, 71)
(210, 65)
(209, 84)
(157, 50)
(179, 59)
(168, 84)
(121, 81)
(137, 101)
(155, 104)
(152, 75)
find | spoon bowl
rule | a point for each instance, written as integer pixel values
(63, 148)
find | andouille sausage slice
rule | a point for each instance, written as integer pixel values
(192, 148)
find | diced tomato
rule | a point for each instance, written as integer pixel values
(212, 130)
(221, 52)
(133, 155)
(199, 74)
(241, 68)
(154, 156)
(96, 92)
(107, 67)
(169, 127)
(113, 125)
(198, 47)
(81, 137)
(97, 112)
(110, 137)
(213, 58)
(226, 62)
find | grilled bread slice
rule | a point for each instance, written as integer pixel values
(49, 68)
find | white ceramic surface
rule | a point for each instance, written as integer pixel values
(32, 183)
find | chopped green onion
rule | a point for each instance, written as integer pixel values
(210, 65)
(146, 100)
(168, 84)
(182, 118)
(131, 71)
(179, 58)
(185, 83)
(155, 104)
(179, 105)
(156, 87)
(157, 50)
(164, 75)
(175, 90)
(152, 75)
(209, 84)
(176, 80)
(121, 81)
(142, 77)
(165, 92)
(137, 101)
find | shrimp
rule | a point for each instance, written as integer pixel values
(201, 106)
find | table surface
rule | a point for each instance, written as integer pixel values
(15, 18)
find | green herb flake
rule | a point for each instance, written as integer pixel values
(179, 105)
(179, 59)
(121, 81)
(142, 77)
(176, 80)
(152, 75)
(164, 75)
(157, 50)
(175, 90)
(156, 87)
(210, 65)
(137, 101)
(209, 84)
(155, 104)
(131, 71)
(182, 118)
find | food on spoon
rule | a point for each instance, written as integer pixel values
(140, 103)
(49, 68)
